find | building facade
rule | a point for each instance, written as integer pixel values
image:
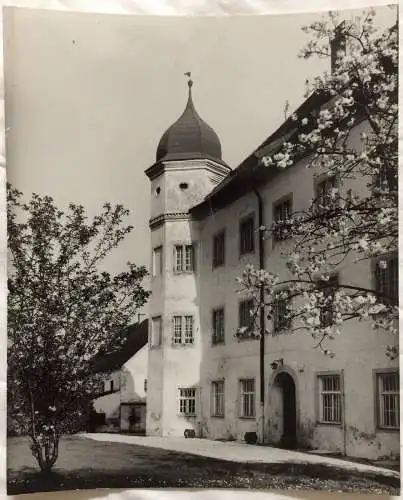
(122, 405)
(204, 231)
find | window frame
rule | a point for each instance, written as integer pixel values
(279, 202)
(155, 249)
(320, 212)
(217, 236)
(153, 344)
(240, 304)
(242, 395)
(214, 339)
(377, 373)
(183, 268)
(374, 270)
(187, 399)
(318, 398)
(183, 317)
(242, 221)
(333, 276)
(276, 301)
(213, 412)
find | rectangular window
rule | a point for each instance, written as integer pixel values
(156, 331)
(218, 326)
(387, 178)
(145, 385)
(157, 261)
(326, 303)
(111, 386)
(247, 398)
(187, 401)
(282, 311)
(183, 330)
(281, 220)
(388, 400)
(246, 314)
(247, 235)
(219, 249)
(217, 393)
(184, 258)
(177, 326)
(323, 192)
(386, 279)
(329, 399)
(188, 329)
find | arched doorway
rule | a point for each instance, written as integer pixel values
(286, 385)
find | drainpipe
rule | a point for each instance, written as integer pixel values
(261, 420)
(343, 409)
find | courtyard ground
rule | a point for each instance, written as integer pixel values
(85, 463)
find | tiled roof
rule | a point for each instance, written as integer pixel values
(136, 338)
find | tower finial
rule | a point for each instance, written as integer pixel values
(190, 81)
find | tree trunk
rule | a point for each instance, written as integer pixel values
(45, 449)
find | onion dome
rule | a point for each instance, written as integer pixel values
(189, 137)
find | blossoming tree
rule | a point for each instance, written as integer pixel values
(352, 139)
(62, 312)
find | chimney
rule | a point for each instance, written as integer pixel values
(337, 44)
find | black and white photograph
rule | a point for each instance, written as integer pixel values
(202, 251)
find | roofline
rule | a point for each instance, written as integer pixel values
(155, 170)
(250, 173)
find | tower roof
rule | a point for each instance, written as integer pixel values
(189, 137)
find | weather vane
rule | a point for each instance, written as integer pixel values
(189, 75)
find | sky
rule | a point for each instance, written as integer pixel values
(88, 97)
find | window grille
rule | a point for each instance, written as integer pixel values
(247, 398)
(330, 399)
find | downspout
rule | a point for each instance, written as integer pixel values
(343, 409)
(261, 423)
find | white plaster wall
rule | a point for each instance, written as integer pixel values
(172, 367)
(108, 404)
(359, 350)
(134, 373)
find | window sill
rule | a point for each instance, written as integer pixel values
(217, 266)
(388, 429)
(244, 254)
(187, 415)
(282, 331)
(247, 418)
(218, 416)
(215, 344)
(181, 346)
(329, 424)
(248, 337)
(178, 273)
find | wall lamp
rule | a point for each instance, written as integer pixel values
(277, 363)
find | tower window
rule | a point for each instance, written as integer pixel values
(157, 191)
(157, 261)
(156, 331)
(183, 185)
(184, 258)
(183, 330)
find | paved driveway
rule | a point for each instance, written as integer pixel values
(239, 452)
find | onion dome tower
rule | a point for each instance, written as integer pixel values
(189, 138)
